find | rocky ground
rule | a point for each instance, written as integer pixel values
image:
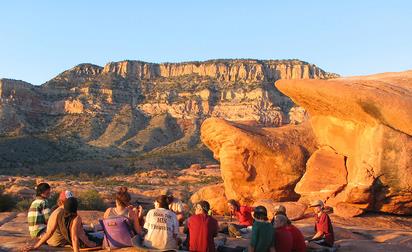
(143, 186)
(367, 233)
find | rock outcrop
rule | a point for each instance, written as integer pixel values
(367, 121)
(131, 108)
(259, 163)
(222, 70)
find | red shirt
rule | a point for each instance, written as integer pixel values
(283, 240)
(298, 239)
(324, 225)
(244, 215)
(202, 229)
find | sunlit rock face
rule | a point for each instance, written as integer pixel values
(366, 123)
(130, 108)
(259, 163)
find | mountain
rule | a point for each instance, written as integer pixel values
(134, 114)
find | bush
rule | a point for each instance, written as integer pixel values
(91, 200)
(23, 205)
(7, 202)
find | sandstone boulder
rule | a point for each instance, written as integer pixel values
(369, 121)
(259, 163)
(325, 176)
(215, 195)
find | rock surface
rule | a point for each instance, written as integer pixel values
(325, 176)
(259, 163)
(132, 109)
(368, 120)
(215, 195)
(369, 233)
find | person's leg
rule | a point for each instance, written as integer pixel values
(234, 230)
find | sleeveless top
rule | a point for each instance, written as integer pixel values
(113, 213)
(61, 235)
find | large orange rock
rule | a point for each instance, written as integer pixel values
(259, 163)
(325, 176)
(215, 195)
(369, 121)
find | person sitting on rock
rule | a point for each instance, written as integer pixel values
(263, 239)
(244, 216)
(176, 206)
(283, 237)
(324, 236)
(66, 225)
(39, 211)
(202, 228)
(298, 238)
(124, 208)
(162, 226)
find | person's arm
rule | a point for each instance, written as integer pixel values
(51, 228)
(77, 227)
(74, 235)
(216, 230)
(106, 213)
(134, 217)
(175, 227)
(323, 224)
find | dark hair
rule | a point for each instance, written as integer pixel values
(204, 205)
(260, 213)
(123, 197)
(234, 203)
(41, 188)
(70, 207)
(163, 201)
(170, 198)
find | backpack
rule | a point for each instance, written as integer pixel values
(117, 232)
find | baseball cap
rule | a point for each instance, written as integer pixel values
(65, 195)
(316, 203)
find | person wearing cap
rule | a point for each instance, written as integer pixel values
(244, 216)
(324, 236)
(283, 237)
(64, 228)
(263, 239)
(202, 228)
(297, 236)
(57, 237)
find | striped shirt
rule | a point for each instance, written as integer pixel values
(37, 216)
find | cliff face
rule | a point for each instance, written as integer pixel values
(222, 70)
(130, 108)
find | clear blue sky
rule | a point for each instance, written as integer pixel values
(40, 39)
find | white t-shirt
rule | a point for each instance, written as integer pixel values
(161, 225)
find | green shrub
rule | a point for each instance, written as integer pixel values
(7, 202)
(23, 205)
(91, 200)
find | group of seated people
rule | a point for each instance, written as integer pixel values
(159, 228)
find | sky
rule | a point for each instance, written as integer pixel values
(39, 39)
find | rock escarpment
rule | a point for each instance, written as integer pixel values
(131, 108)
(358, 158)
(367, 122)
